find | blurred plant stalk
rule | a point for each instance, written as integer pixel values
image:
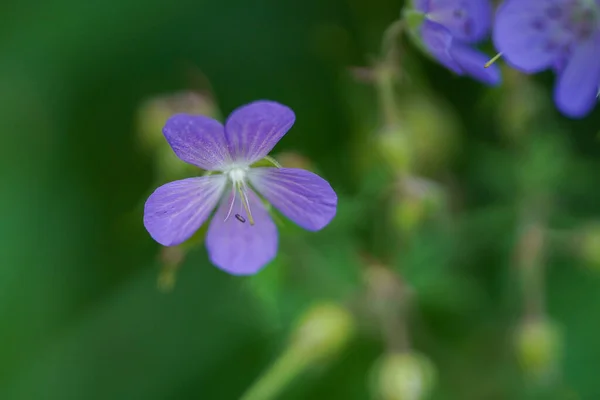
(171, 259)
(388, 299)
(399, 373)
(537, 340)
(322, 332)
(529, 263)
(415, 136)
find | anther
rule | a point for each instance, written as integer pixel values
(245, 203)
(240, 218)
(493, 60)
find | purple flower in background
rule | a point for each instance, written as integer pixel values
(451, 28)
(242, 237)
(563, 35)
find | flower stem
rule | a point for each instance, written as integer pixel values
(289, 365)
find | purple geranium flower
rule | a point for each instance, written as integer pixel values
(242, 237)
(451, 28)
(564, 35)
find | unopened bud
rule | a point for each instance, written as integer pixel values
(415, 201)
(431, 128)
(588, 244)
(385, 289)
(538, 346)
(152, 116)
(323, 331)
(394, 147)
(403, 376)
(154, 112)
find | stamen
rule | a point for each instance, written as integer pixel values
(230, 205)
(240, 218)
(493, 60)
(244, 197)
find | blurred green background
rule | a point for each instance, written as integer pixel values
(464, 262)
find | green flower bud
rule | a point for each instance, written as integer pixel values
(431, 130)
(385, 289)
(323, 331)
(152, 116)
(588, 244)
(538, 345)
(408, 214)
(403, 376)
(394, 147)
(415, 201)
(154, 112)
(320, 334)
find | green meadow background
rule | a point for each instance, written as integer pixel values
(464, 262)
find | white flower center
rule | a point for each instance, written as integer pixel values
(237, 175)
(238, 179)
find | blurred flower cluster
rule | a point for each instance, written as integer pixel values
(532, 35)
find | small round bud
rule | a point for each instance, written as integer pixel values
(403, 376)
(415, 201)
(432, 131)
(588, 244)
(538, 345)
(154, 112)
(394, 146)
(385, 289)
(152, 116)
(323, 331)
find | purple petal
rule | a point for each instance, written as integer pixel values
(472, 63)
(254, 129)
(530, 33)
(198, 140)
(438, 41)
(577, 88)
(467, 20)
(421, 5)
(305, 198)
(238, 247)
(176, 210)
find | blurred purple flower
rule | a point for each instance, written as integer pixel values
(242, 237)
(564, 35)
(451, 28)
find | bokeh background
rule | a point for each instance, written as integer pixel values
(464, 262)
